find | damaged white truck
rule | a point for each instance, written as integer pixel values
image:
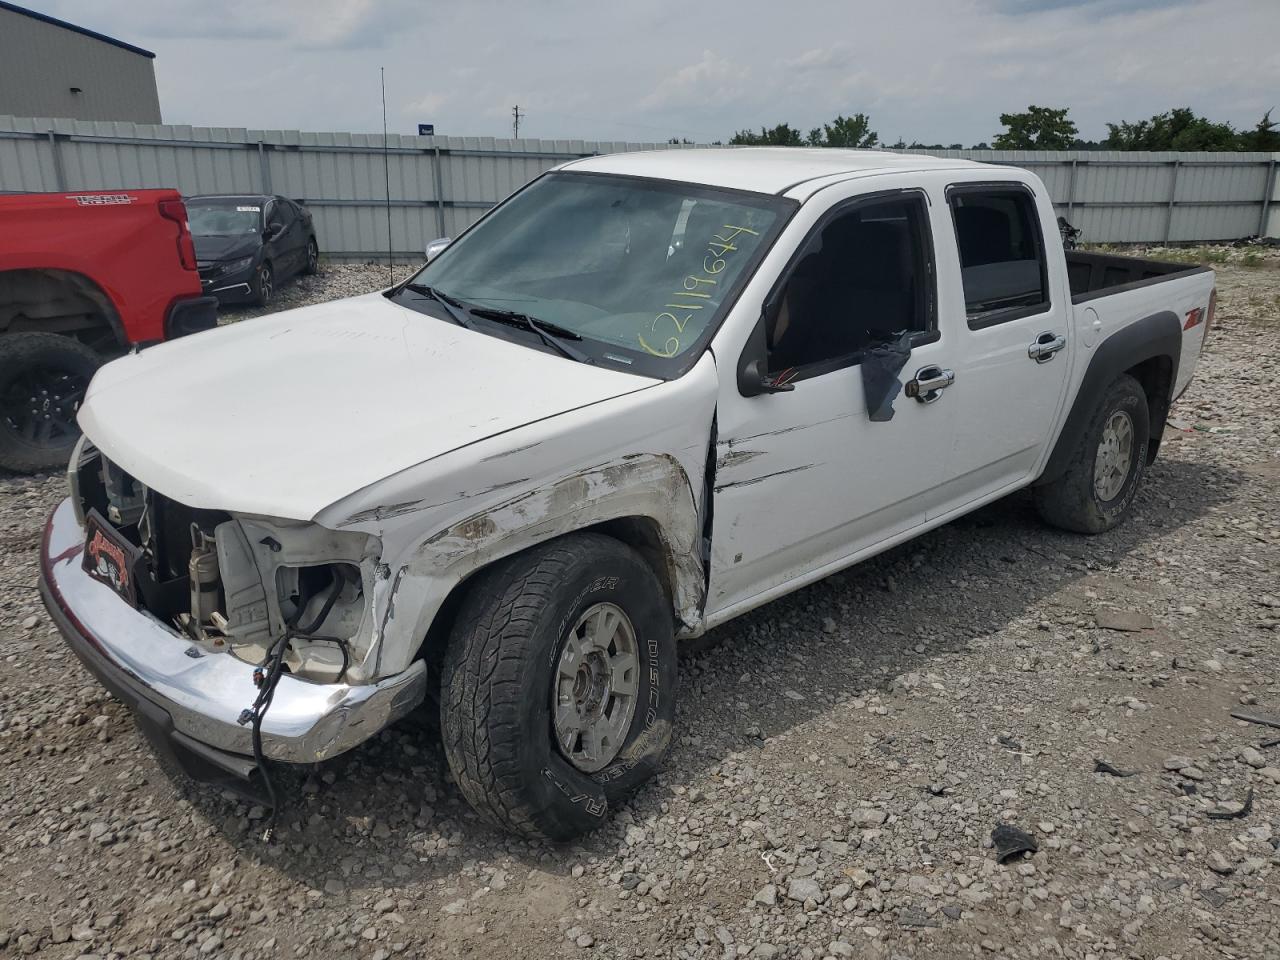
(643, 395)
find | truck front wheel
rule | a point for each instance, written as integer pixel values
(43, 377)
(1098, 488)
(559, 685)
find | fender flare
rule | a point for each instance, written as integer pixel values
(1157, 335)
(84, 285)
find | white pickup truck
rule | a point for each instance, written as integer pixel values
(645, 394)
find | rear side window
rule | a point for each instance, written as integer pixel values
(1001, 255)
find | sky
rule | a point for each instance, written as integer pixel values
(929, 70)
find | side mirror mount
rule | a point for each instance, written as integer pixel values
(753, 376)
(753, 381)
(436, 247)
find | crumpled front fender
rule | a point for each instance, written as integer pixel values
(651, 488)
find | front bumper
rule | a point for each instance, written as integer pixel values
(193, 696)
(231, 287)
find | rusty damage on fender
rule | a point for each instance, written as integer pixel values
(653, 487)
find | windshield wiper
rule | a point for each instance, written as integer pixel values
(452, 306)
(552, 334)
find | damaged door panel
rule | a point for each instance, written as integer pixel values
(808, 475)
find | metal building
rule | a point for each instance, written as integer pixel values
(51, 68)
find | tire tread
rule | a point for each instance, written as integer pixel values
(1068, 502)
(481, 678)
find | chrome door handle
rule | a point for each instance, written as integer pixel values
(1046, 345)
(929, 382)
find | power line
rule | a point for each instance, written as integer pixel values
(515, 123)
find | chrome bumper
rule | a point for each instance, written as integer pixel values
(159, 673)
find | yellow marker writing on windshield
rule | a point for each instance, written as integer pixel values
(713, 263)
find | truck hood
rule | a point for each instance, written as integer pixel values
(226, 248)
(283, 415)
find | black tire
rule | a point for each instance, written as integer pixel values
(263, 284)
(1074, 501)
(43, 377)
(497, 677)
(312, 264)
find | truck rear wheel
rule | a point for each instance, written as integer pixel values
(1097, 490)
(558, 685)
(43, 377)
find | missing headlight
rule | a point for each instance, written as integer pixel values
(325, 600)
(323, 605)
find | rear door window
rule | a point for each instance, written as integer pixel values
(1002, 260)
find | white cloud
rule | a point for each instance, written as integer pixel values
(712, 79)
(427, 105)
(816, 59)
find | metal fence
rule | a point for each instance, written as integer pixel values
(440, 185)
(1116, 196)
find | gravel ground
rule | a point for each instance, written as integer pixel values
(334, 281)
(844, 756)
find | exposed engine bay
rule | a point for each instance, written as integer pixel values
(240, 584)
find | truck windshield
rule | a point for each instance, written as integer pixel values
(223, 218)
(641, 270)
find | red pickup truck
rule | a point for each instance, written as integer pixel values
(83, 278)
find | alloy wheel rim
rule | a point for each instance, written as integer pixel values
(265, 283)
(1115, 456)
(39, 405)
(594, 687)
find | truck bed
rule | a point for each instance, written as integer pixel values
(1093, 275)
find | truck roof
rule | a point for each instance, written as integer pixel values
(759, 169)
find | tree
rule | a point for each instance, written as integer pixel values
(1179, 129)
(845, 131)
(679, 140)
(1264, 137)
(783, 135)
(1038, 128)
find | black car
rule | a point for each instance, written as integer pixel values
(247, 245)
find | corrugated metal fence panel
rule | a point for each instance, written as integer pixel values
(441, 185)
(1137, 197)
(1234, 192)
(26, 166)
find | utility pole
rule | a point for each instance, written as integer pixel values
(386, 172)
(515, 123)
